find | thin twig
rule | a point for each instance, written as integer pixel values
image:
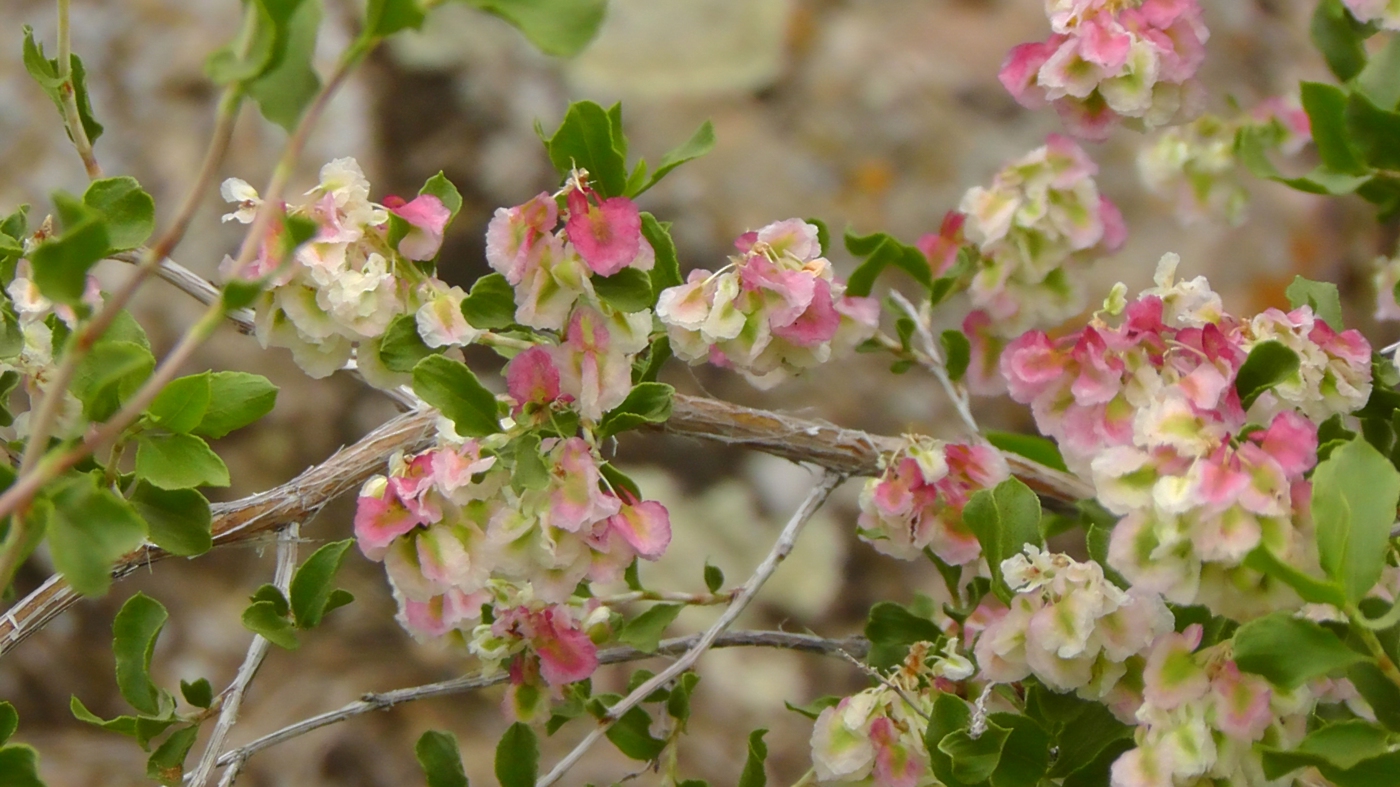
(72, 118)
(776, 555)
(386, 700)
(847, 451)
(257, 651)
(932, 360)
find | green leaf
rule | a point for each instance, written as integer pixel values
(518, 757)
(891, 629)
(1288, 651)
(644, 631)
(142, 728)
(585, 140)
(881, 251)
(62, 262)
(88, 529)
(1334, 749)
(754, 775)
(957, 353)
(1354, 496)
(9, 721)
(178, 461)
(1379, 692)
(19, 766)
(646, 403)
(714, 578)
(561, 28)
(678, 704)
(273, 595)
(646, 370)
(199, 694)
(1375, 131)
(261, 618)
(1269, 364)
(666, 272)
(1088, 732)
(529, 470)
(311, 590)
(386, 17)
(1033, 447)
(632, 736)
(401, 346)
(134, 631)
(442, 188)
(1250, 146)
(1309, 588)
(1004, 520)
(440, 759)
(451, 387)
(700, 143)
(16, 225)
(628, 290)
(490, 304)
(181, 404)
(286, 89)
(1340, 39)
(167, 764)
(44, 70)
(1096, 772)
(110, 370)
(179, 520)
(975, 759)
(128, 212)
(814, 708)
(236, 399)
(950, 714)
(1380, 80)
(1326, 106)
(1321, 296)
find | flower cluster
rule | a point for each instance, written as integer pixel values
(334, 297)
(876, 737)
(1110, 60)
(774, 311)
(917, 502)
(1072, 629)
(1150, 411)
(1195, 164)
(449, 520)
(1385, 12)
(544, 646)
(1201, 718)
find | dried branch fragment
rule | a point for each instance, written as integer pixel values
(846, 451)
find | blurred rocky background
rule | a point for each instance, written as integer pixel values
(869, 114)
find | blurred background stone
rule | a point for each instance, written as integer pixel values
(869, 114)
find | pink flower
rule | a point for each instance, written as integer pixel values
(513, 233)
(817, 324)
(942, 248)
(608, 235)
(595, 359)
(1241, 703)
(645, 526)
(575, 497)
(380, 517)
(1171, 677)
(895, 764)
(427, 217)
(532, 379)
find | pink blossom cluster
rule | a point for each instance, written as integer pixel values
(1384, 12)
(1112, 60)
(339, 292)
(551, 265)
(543, 645)
(775, 310)
(1195, 164)
(448, 521)
(1072, 629)
(916, 503)
(1148, 409)
(1201, 717)
(875, 737)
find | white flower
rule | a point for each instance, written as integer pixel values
(238, 190)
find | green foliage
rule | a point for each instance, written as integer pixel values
(1379, 692)
(386, 17)
(646, 403)
(628, 290)
(644, 632)
(666, 272)
(1033, 447)
(1004, 520)
(181, 404)
(880, 251)
(236, 399)
(88, 528)
(1354, 496)
(199, 693)
(62, 262)
(178, 520)
(134, 631)
(490, 304)
(891, 629)
(127, 211)
(311, 593)
(700, 143)
(753, 774)
(529, 470)
(974, 759)
(714, 578)
(167, 763)
(518, 757)
(440, 759)
(591, 138)
(678, 703)
(451, 387)
(178, 461)
(1288, 651)
(290, 83)
(112, 370)
(1340, 38)
(402, 347)
(1269, 364)
(556, 27)
(632, 736)
(44, 70)
(957, 353)
(1351, 753)
(1321, 296)
(268, 617)
(19, 764)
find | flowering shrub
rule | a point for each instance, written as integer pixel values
(1188, 577)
